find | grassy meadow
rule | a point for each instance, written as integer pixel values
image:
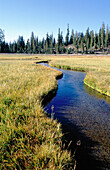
(96, 67)
(29, 139)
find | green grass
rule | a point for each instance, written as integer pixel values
(97, 68)
(29, 139)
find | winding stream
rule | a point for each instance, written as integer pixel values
(85, 116)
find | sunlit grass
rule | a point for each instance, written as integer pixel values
(97, 68)
(29, 139)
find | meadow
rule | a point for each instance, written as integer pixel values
(29, 139)
(96, 67)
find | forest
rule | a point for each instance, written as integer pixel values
(78, 42)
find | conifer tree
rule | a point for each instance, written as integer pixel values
(79, 39)
(87, 39)
(47, 43)
(60, 41)
(36, 44)
(14, 47)
(56, 48)
(103, 36)
(92, 39)
(107, 37)
(42, 45)
(99, 38)
(45, 47)
(87, 45)
(82, 46)
(95, 41)
(67, 36)
(54, 42)
(76, 42)
(51, 44)
(72, 37)
(2, 36)
(59, 37)
(20, 44)
(32, 43)
(28, 46)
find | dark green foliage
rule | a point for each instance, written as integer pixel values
(1, 40)
(107, 37)
(95, 41)
(67, 36)
(20, 45)
(92, 39)
(99, 39)
(103, 36)
(82, 47)
(32, 43)
(72, 37)
(78, 43)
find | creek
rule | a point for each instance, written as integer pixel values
(85, 116)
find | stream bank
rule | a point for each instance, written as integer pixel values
(84, 117)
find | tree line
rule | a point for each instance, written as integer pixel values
(77, 42)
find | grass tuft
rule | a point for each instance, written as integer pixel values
(29, 139)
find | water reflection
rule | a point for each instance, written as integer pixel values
(85, 115)
(97, 94)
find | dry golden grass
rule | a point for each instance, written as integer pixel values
(97, 68)
(29, 140)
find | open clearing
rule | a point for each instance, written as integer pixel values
(29, 139)
(24, 126)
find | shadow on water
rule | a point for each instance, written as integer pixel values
(96, 94)
(85, 159)
(79, 145)
(84, 115)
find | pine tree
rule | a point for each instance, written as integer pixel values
(107, 37)
(92, 39)
(87, 45)
(45, 47)
(56, 48)
(82, 46)
(14, 47)
(32, 43)
(10, 47)
(76, 42)
(59, 37)
(72, 37)
(87, 39)
(99, 39)
(54, 42)
(67, 36)
(60, 41)
(79, 39)
(95, 41)
(42, 45)
(7, 48)
(36, 43)
(103, 36)
(28, 46)
(2, 37)
(51, 44)
(47, 43)
(18, 45)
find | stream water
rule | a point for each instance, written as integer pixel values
(85, 116)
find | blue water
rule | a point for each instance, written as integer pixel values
(84, 115)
